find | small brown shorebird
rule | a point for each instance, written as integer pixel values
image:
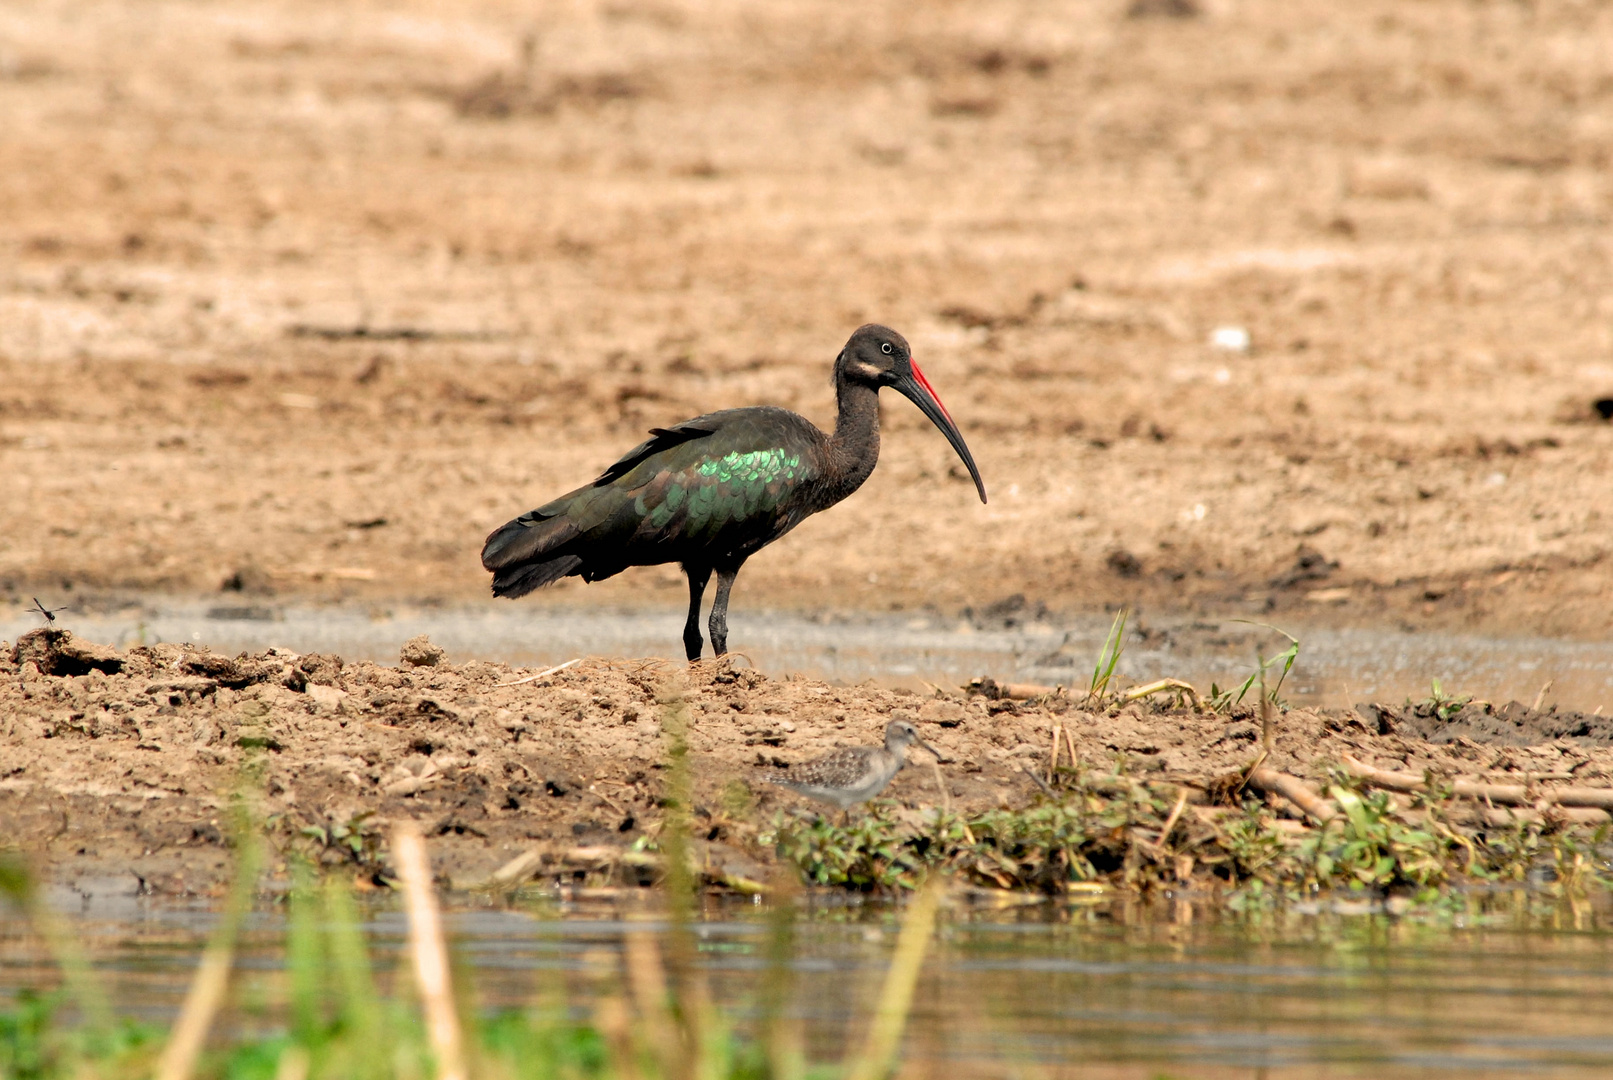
(854, 774)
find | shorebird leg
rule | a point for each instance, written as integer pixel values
(719, 609)
(698, 576)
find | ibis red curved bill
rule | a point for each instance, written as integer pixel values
(916, 388)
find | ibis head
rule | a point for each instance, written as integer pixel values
(878, 356)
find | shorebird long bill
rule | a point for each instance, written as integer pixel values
(916, 388)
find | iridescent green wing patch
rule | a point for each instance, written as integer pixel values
(711, 494)
(752, 466)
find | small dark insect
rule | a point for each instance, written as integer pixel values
(49, 613)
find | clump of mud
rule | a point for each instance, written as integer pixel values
(122, 763)
(1512, 724)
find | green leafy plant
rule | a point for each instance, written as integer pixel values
(356, 840)
(1441, 704)
(875, 852)
(1252, 849)
(1375, 849)
(1224, 700)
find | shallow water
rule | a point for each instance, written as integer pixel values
(1503, 987)
(1336, 666)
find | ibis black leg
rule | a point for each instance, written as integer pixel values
(698, 576)
(719, 610)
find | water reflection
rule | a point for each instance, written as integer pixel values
(1496, 984)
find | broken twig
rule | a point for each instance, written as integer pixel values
(1505, 794)
(1295, 791)
(1170, 822)
(1039, 782)
(542, 674)
(1164, 686)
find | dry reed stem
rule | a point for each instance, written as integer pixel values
(1175, 815)
(646, 978)
(878, 1054)
(1039, 782)
(941, 785)
(1250, 771)
(1175, 686)
(1295, 791)
(543, 674)
(196, 1014)
(428, 951)
(517, 870)
(613, 1022)
(1506, 794)
(1008, 691)
(206, 992)
(1512, 815)
(1266, 724)
(293, 1064)
(946, 801)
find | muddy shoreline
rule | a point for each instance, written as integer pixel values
(124, 763)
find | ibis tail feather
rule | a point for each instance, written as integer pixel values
(526, 577)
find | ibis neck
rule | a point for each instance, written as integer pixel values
(854, 447)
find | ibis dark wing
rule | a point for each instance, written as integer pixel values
(710, 489)
(661, 439)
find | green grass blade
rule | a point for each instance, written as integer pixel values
(363, 1022)
(305, 959)
(1108, 657)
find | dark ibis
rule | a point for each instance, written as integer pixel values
(710, 492)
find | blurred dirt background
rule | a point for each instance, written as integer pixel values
(305, 298)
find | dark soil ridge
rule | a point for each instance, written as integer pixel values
(117, 767)
(1512, 724)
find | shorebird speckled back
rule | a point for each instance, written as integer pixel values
(854, 774)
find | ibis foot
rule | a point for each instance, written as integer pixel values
(719, 611)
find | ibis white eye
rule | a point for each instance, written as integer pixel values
(885, 348)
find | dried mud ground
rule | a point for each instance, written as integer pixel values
(119, 767)
(306, 299)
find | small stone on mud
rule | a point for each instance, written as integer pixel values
(418, 651)
(326, 698)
